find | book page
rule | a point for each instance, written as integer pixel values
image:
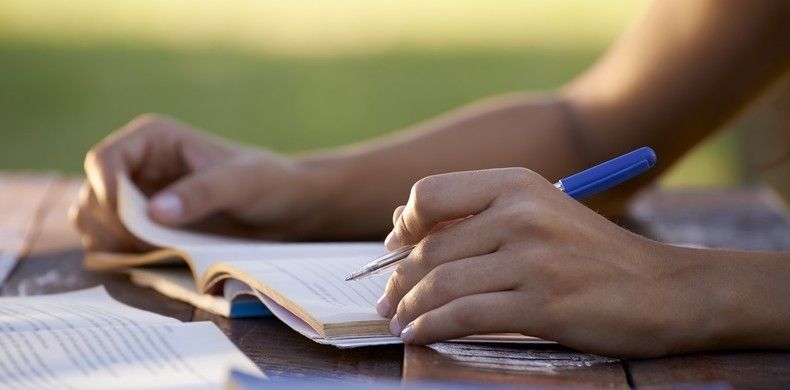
(304, 329)
(86, 340)
(178, 283)
(85, 308)
(318, 287)
(203, 257)
(177, 356)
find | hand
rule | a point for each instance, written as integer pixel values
(523, 257)
(192, 176)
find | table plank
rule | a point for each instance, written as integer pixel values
(743, 370)
(21, 202)
(743, 218)
(282, 352)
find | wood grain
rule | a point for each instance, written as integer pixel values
(744, 218)
(282, 352)
(20, 218)
(741, 370)
(538, 365)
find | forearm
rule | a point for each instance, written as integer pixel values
(679, 73)
(730, 300)
(363, 183)
(660, 87)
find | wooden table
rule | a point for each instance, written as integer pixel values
(749, 218)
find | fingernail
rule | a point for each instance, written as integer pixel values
(407, 336)
(395, 326)
(169, 205)
(383, 306)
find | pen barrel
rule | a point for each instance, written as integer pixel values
(609, 174)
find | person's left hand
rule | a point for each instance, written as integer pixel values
(523, 257)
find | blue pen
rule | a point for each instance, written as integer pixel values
(585, 183)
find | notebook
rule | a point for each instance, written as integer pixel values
(87, 340)
(301, 284)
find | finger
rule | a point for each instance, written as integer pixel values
(83, 208)
(446, 197)
(100, 229)
(120, 152)
(93, 234)
(453, 280)
(100, 169)
(388, 241)
(466, 238)
(148, 140)
(497, 312)
(200, 194)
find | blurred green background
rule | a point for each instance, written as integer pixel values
(289, 76)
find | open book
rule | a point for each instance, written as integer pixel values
(87, 340)
(301, 284)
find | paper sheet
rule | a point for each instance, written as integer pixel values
(87, 340)
(77, 309)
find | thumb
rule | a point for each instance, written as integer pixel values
(194, 196)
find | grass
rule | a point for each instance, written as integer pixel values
(56, 102)
(289, 76)
(325, 28)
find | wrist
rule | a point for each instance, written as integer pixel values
(324, 177)
(715, 304)
(683, 304)
(748, 298)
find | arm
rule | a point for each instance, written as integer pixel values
(679, 73)
(557, 270)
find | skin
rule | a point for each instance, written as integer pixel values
(555, 269)
(680, 71)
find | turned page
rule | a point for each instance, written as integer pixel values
(132, 209)
(86, 340)
(207, 249)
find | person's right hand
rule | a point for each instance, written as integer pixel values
(191, 176)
